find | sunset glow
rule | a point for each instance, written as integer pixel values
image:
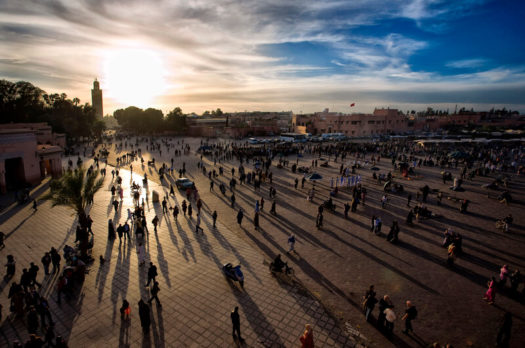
(133, 76)
(271, 55)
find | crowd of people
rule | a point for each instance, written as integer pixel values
(354, 158)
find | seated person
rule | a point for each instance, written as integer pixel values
(278, 264)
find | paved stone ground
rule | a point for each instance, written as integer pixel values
(340, 261)
(196, 297)
(336, 264)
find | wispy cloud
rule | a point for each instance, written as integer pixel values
(211, 50)
(467, 63)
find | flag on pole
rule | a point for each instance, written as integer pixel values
(353, 104)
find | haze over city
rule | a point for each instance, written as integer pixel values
(270, 55)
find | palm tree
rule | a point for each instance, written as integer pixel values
(75, 189)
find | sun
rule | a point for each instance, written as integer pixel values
(134, 76)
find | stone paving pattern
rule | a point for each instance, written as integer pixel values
(336, 264)
(196, 298)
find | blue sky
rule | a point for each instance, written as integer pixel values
(299, 55)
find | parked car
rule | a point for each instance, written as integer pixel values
(184, 183)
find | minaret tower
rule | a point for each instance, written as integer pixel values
(96, 99)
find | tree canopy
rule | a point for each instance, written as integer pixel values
(150, 120)
(75, 189)
(22, 102)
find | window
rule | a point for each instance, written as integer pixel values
(353, 132)
(356, 122)
(371, 122)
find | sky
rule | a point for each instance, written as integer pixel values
(271, 55)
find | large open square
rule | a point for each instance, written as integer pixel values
(334, 265)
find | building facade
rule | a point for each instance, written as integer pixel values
(381, 122)
(28, 153)
(96, 99)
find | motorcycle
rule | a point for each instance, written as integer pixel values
(234, 273)
(285, 269)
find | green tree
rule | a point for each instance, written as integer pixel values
(176, 120)
(76, 190)
(22, 102)
(152, 120)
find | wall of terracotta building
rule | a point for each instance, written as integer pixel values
(23, 145)
(352, 125)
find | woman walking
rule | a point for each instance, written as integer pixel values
(307, 339)
(490, 295)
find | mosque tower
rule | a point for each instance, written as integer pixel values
(96, 99)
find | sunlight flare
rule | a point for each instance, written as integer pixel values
(134, 76)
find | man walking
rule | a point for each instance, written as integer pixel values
(214, 217)
(164, 206)
(240, 216)
(410, 314)
(233, 199)
(46, 261)
(272, 210)
(198, 223)
(154, 292)
(236, 323)
(152, 273)
(55, 259)
(126, 231)
(155, 222)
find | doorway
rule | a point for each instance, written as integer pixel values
(14, 173)
(45, 168)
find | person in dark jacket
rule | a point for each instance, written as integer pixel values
(240, 216)
(145, 320)
(236, 323)
(152, 273)
(384, 303)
